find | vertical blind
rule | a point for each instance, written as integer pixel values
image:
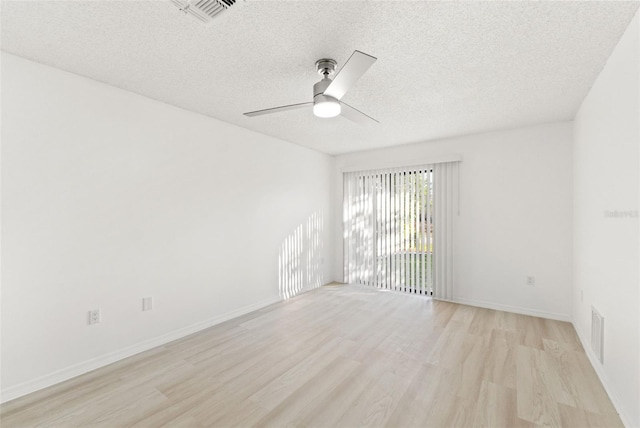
(391, 219)
(445, 211)
(388, 229)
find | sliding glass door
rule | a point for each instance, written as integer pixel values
(388, 226)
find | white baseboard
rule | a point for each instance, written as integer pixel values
(603, 377)
(508, 308)
(45, 381)
(487, 305)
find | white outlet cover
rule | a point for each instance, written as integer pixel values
(147, 303)
(94, 316)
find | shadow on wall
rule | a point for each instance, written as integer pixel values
(300, 260)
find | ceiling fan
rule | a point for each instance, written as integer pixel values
(327, 93)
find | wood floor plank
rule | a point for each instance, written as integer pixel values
(464, 315)
(500, 362)
(342, 356)
(287, 383)
(535, 400)
(497, 407)
(101, 410)
(176, 409)
(375, 404)
(414, 407)
(448, 350)
(579, 380)
(291, 410)
(243, 414)
(506, 321)
(532, 331)
(328, 410)
(483, 322)
(466, 377)
(574, 417)
(562, 332)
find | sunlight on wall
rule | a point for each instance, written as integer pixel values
(300, 259)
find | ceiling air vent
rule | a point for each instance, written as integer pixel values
(204, 10)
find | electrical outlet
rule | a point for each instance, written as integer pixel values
(94, 316)
(531, 280)
(147, 303)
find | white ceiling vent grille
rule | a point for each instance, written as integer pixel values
(597, 334)
(204, 10)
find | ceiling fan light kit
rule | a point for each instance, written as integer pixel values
(326, 108)
(328, 92)
(324, 105)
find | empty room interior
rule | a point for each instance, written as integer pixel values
(320, 213)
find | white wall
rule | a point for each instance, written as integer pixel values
(108, 197)
(515, 215)
(606, 179)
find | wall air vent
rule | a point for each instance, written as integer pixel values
(203, 10)
(597, 334)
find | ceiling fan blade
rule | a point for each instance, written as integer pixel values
(356, 115)
(357, 64)
(277, 109)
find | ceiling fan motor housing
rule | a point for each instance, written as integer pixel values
(326, 67)
(318, 91)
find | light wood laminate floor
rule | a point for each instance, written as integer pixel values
(342, 356)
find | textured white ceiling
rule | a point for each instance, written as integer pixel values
(443, 69)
